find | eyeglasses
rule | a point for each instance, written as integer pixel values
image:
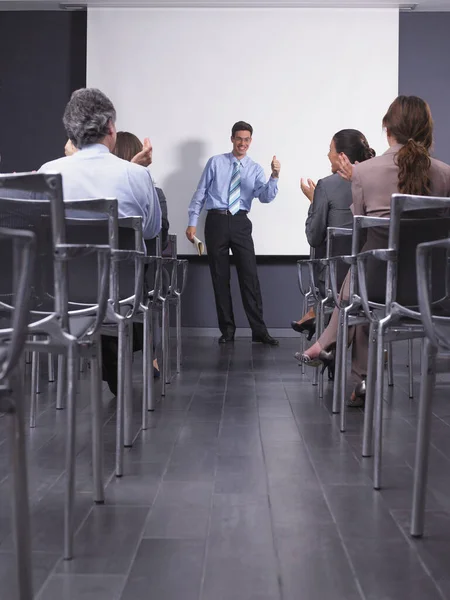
(244, 140)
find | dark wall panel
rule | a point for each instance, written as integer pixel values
(42, 60)
(425, 69)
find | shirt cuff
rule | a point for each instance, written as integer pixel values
(193, 221)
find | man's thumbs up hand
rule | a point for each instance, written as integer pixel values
(275, 166)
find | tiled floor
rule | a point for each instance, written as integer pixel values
(242, 488)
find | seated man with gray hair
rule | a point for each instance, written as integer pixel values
(95, 172)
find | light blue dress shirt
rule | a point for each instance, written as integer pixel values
(94, 172)
(214, 184)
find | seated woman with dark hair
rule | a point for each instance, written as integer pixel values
(405, 168)
(128, 146)
(330, 205)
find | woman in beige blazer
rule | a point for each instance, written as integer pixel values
(406, 167)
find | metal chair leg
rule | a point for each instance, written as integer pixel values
(37, 358)
(128, 388)
(320, 318)
(33, 393)
(165, 357)
(390, 366)
(72, 378)
(411, 368)
(21, 511)
(51, 368)
(179, 341)
(122, 341)
(370, 390)
(149, 391)
(97, 422)
(338, 366)
(62, 382)
(379, 387)
(423, 438)
(167, 332)
(343, 374)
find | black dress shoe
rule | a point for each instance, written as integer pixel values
(265, 339)
(308, 327)
(226, 339)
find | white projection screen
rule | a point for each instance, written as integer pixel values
(184, 76)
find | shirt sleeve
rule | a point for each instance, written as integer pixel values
(199, 198)
(145, 193)
(317, 220)
(358, 206)
(265, 191)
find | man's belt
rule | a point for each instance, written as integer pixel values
(218, 211)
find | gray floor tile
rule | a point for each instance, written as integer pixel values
(43, 564)
(83, 587)
(107, 541)
(166, 569)
(181, 510)
(240, 475)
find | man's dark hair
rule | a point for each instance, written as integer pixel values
(88, 116)
(241, 126)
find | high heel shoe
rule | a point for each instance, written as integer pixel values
(308, 327)
(358, 397)
(324, 359)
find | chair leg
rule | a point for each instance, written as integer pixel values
(122, 341)
(33, 393)
(411, 368)
(37, 358)
(62, 382)
(21, 511)
(164, 340)
(390, 366)
(343, 375)
(149, 388)
(51, 368)
(370, 390)
(423, 438)
(179, 341)
(72, 378)
(338, 365)
(378, 400)
(320, 317)
(97, 422)
(128, 388)
(167, 333)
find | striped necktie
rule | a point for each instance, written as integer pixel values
(234, 195)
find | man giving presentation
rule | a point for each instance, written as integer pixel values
(226, 189)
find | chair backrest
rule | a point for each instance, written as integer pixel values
(124, 234)
(18, 248)
(19, 209)
(434, 310)
(414, 220)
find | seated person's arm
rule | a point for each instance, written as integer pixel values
(317, 220)
(358, 207)
(164, 218)
(147, 199)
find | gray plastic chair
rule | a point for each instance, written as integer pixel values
(53, 327)
(435, 317)
(14, 317)
(393, 314)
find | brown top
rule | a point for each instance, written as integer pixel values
(375, 180)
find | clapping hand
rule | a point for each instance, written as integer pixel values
(345, 167)
(308, 188)
(144, 157)
(275, 166)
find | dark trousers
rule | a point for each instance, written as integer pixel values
(223, 232)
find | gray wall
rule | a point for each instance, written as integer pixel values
(424, 70)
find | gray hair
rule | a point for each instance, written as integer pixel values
(87, 116)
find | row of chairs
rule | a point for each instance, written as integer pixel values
(66, 281)
(398, 298)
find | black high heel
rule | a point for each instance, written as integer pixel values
(308, 327)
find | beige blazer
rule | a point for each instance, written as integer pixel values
(375, 180)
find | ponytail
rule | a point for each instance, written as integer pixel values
(414, 163)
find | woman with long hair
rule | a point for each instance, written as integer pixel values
(330, 205)
(407, 168)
